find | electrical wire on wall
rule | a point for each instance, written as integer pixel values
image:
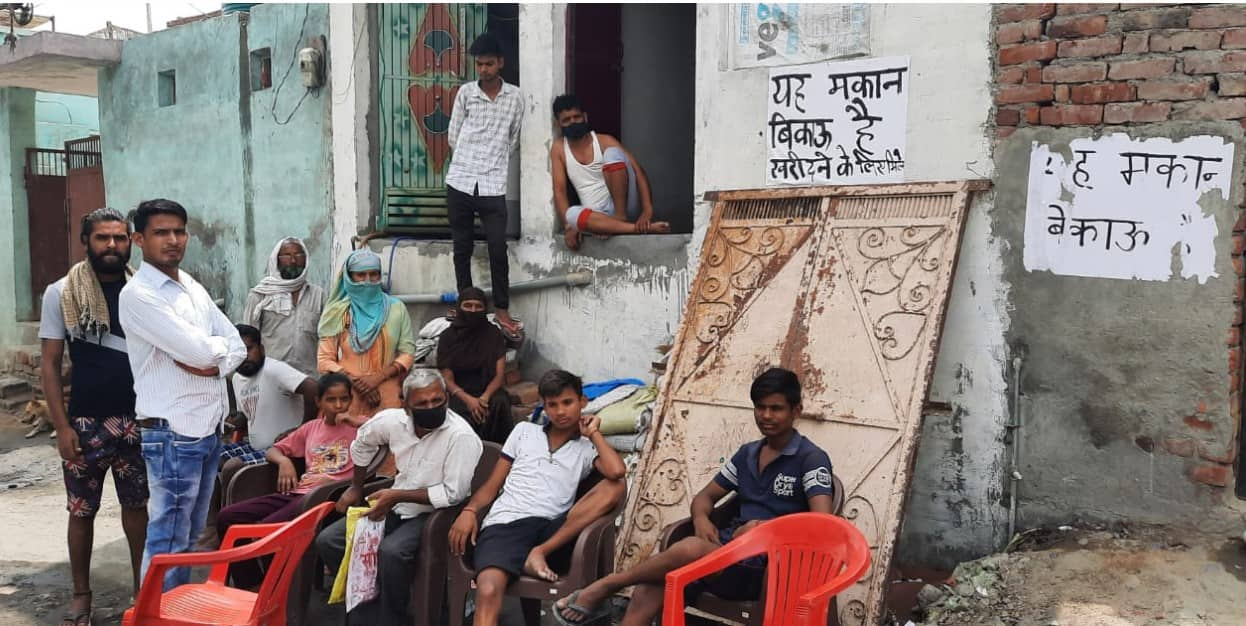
(354, 62)
(293, 60)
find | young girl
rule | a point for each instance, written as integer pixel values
(324, 443)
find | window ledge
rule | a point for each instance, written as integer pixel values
(666, 250)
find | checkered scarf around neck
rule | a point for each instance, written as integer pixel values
(82, 302)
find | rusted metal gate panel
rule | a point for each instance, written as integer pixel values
(84, 188)
(848, 287)
(45, 201)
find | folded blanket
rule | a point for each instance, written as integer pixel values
(627, 415)
(626, 444)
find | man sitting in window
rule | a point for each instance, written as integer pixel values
(613, 189)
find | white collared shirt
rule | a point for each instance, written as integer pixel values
(443, 461)
(483, 133)
(169, 321)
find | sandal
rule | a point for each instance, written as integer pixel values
(80, 618)
(587, 616)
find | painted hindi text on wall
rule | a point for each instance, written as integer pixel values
(766, 35)
(1118, 207)
(837, 123)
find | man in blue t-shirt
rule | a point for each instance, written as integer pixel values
(99, 431)
(779, 474)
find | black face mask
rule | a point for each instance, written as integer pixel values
(472, 319)
(428, 419)
(249, 368)
(575, 131)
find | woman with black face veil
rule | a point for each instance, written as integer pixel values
(471, 355)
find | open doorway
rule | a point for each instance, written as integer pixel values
(633, 66)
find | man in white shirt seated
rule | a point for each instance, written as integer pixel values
(181, 348)
(436, 452)
(615, 198)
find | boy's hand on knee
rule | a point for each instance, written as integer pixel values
(463, 530)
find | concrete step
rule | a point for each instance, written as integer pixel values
(11, 386)
(16, 403)
(524, 392)
(521, 412)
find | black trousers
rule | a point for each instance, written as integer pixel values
(462, 208)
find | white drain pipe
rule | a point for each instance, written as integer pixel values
(574, 279)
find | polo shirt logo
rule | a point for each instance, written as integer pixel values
(820, 477)
(784, 485)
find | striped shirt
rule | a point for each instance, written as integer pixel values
(483, 133)
(168, 321)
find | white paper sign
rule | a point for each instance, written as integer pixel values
(837, 123)
(766, 35)
(1117, 207)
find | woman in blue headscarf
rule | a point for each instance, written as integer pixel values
(366, 334)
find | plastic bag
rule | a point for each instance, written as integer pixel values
(338, 594)
(361, 583)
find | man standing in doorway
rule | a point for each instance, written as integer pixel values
(286, 308)
(484, 130)
(181, 349)
(99, 431)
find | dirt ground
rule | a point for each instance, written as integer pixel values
(1140, 577)
(1059, 577)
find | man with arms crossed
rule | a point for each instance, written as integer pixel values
(181, 349)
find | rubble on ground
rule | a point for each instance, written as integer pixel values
(1107, 577)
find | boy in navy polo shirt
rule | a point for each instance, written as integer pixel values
(779, 474)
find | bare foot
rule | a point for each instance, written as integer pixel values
(537, 567)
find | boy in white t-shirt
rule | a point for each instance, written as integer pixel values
(536, 517)
(274, 397)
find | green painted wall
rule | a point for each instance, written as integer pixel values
(291, 142)
(245, 174)
(17, 132)
(60, 117)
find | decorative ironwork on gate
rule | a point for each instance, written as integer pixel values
(848, 287)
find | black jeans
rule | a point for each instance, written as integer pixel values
(462, 208)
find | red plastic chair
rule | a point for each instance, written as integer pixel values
(212, 602)
(811, 557)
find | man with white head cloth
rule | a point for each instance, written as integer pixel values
(286, 308)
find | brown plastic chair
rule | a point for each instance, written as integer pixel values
(428, 588)
(592, 557)
(260, 480)
(750, 613)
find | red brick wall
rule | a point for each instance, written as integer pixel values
(1127, 65)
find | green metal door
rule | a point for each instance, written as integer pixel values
(422, 56)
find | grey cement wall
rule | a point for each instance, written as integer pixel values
(1111, 368)
(246, 179)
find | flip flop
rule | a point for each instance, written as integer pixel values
(590, 616)
(81, 618)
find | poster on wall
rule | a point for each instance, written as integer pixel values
(766, 35)
(1119, 207)
(837, 123)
